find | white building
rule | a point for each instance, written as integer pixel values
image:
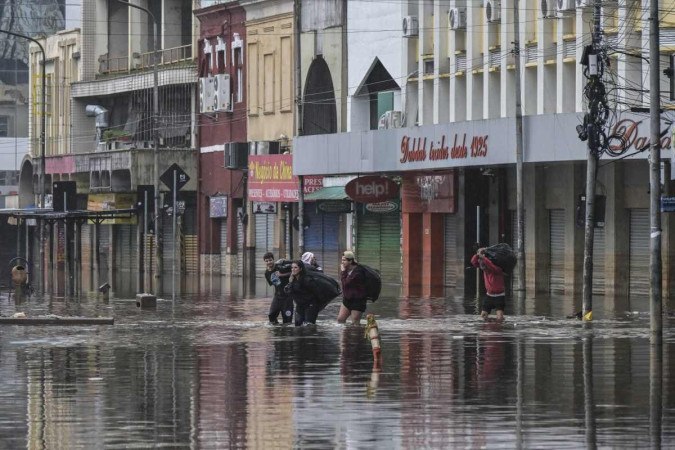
(446, 70)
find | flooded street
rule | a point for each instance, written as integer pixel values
(207, 371)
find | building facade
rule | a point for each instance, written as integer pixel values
(448, 72)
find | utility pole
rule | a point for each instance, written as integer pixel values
(298, 121)
(655, 278)
(592, 131)
(520, 209)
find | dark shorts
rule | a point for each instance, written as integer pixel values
(490, 303)
(358, 304)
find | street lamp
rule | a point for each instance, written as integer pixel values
(42, 178)
(155, 138)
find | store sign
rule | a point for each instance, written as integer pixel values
(432, 192)
(334, 206)
(420, 149)
(371, 189)
(627, 135)
(218, 207)
(264, 208)
(271, 179)
(382, 207)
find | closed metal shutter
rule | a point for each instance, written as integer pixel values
(125, 248)
(104, 251)
(264, 240)
(379, 244)
(240, 244)
(639, 256)
(557, 250)
(223, 246)
(451, 265)
(599, 261)
(86, 249)
(190, 253)
(168, 243)
(321, 238)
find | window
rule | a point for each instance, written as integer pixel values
(239, 73)
(4, 126)
(268, 83)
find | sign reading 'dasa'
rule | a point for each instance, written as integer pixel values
(371, 189)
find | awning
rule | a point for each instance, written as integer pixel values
(328, 193)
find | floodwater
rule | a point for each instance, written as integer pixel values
(206, 371)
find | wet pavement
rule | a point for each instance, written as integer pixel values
(207, 371)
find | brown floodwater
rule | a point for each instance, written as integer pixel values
(206, 371)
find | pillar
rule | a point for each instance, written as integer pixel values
(433, 254)
(412, 253)
(537, 248)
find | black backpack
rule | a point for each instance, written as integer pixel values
(373, 282)
(502, 255)
(325, 288)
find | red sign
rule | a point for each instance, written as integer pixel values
(271, 179)
(371, 189)
(419, 149)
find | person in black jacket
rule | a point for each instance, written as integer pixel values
(281, 302)
(302, 290)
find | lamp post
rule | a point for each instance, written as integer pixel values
(155, 138)
(42, 179)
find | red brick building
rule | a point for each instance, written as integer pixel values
(222, 125)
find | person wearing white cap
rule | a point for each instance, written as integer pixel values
(310, 261)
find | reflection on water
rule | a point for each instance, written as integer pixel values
(207, 371)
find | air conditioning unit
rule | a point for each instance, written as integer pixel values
(207, 95)
(566, 5)
(410, 26)
(236, 155)
(584, 3)
(222, 87)
(390, 119)
(457, 18)
(548, 8)
(493, 10)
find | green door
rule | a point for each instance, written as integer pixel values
(378, 243)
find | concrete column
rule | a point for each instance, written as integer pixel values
(617, 227)
(537, 248)
(463, 253)
(432, 254)
(412, 253)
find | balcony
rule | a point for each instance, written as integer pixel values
(143, 61)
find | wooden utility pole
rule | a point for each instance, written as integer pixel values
(655, 277)
(520, 208)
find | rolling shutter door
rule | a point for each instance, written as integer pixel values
(451, 266)
(167, 232)
(240, 244)
(85, 243)
(557, 250)
(104, 251)
(264, 240)
(223, 245)
(639, 254)
(321, 238)
(599, 261)
(379, 244)
(125, 251)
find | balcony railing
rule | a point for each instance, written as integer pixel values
(144, 61)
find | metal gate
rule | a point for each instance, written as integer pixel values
(223, 245)
(599, 261)
(240, 243)
(125, 248)
(321, 238)
(451, 265)
(379, 243)
(639, 255)
(264, 240)
(557, 250)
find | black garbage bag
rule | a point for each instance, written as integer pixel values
(502, 255)
(373, 282)
(324, 287)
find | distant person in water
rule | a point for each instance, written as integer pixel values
(282, 303)
(303, 291)
(493, 275)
